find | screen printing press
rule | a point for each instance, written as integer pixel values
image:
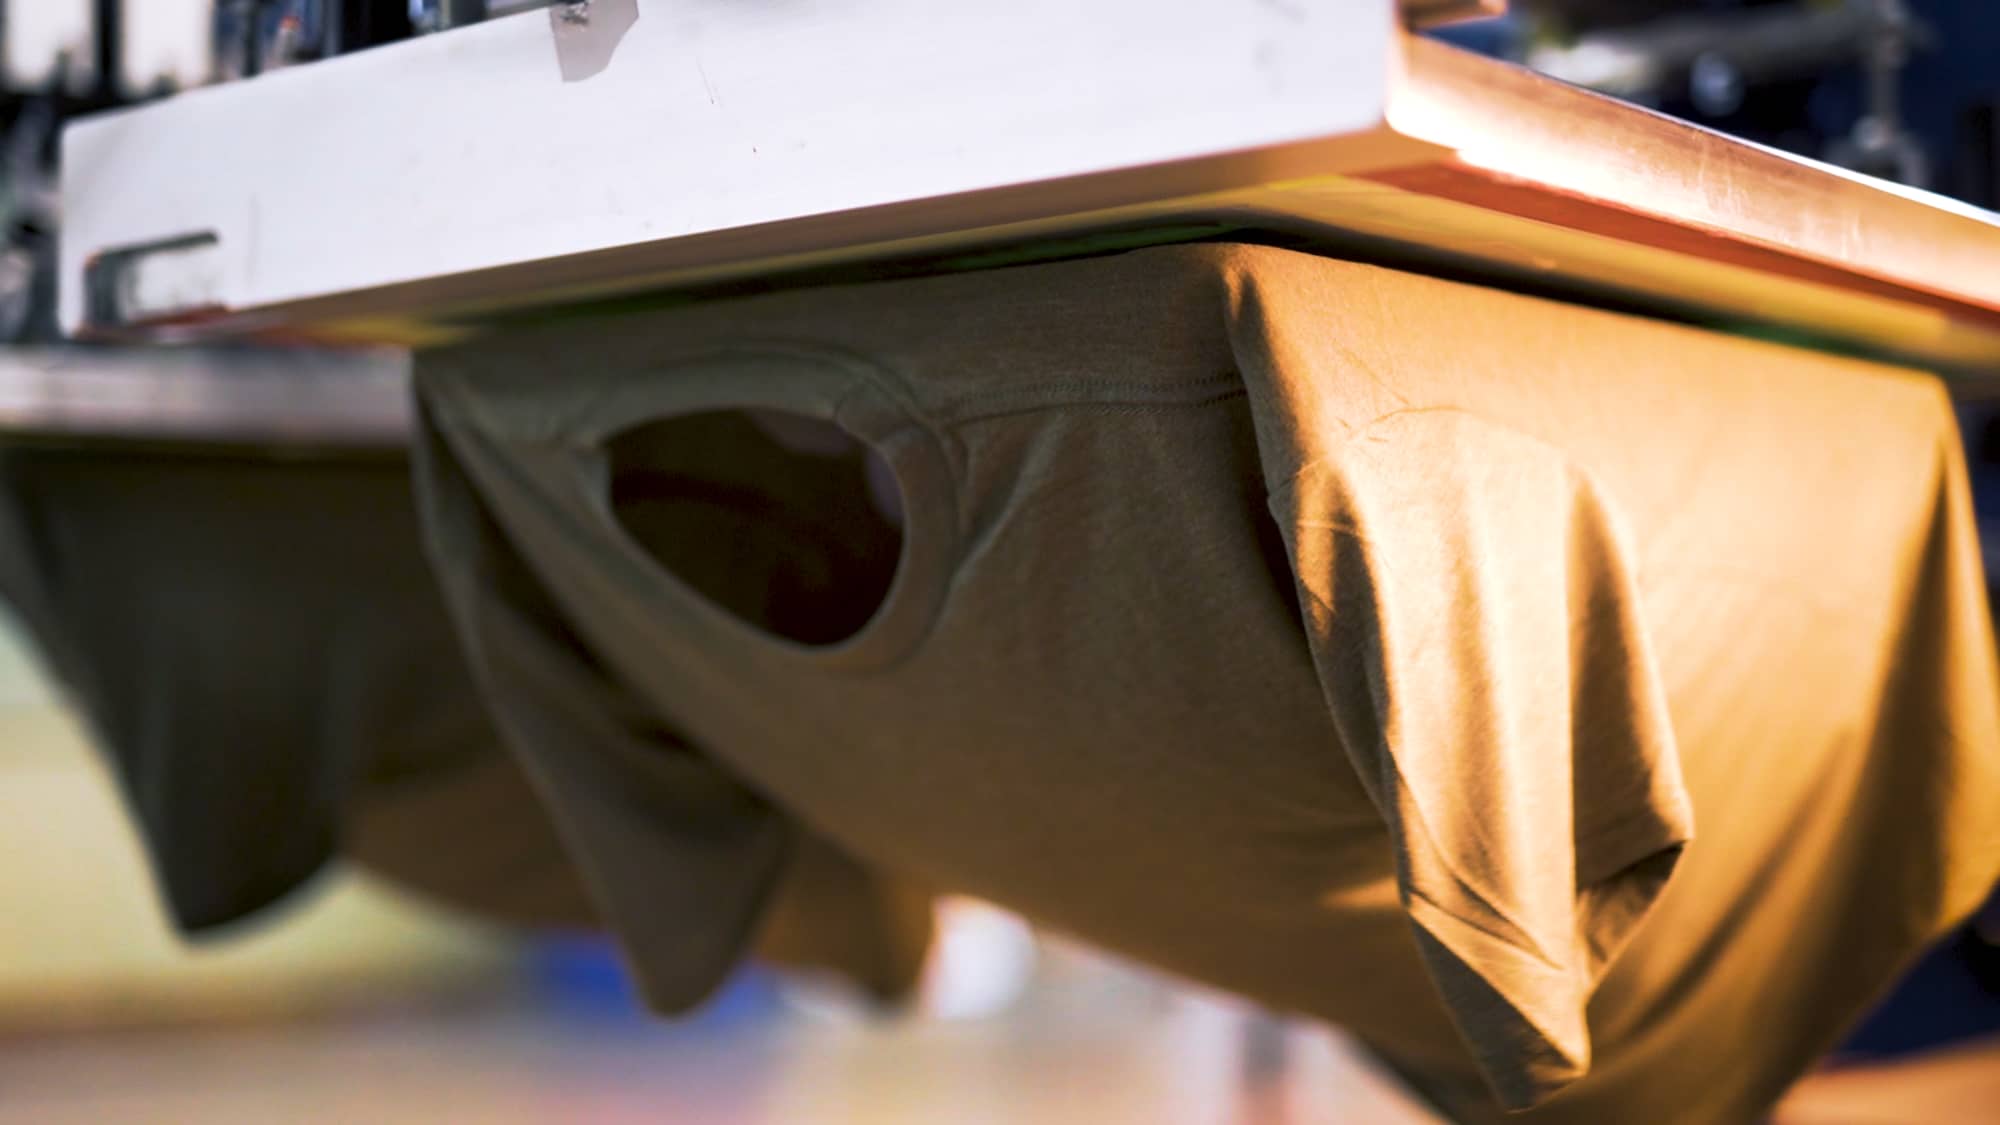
(598, 149)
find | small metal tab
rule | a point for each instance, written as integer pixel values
(163, 280)
(587, 34)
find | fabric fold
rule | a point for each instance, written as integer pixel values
(1354, 641)
(1472, 612)
(680, 858)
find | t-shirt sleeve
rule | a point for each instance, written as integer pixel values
(678, 857)
(1472, 609)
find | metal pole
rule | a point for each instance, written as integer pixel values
(110, 51)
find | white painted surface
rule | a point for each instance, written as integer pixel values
(467, 150)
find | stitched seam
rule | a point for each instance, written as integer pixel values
(1074, 390)
(1637, 835)
(877, 377)
(1112, 406)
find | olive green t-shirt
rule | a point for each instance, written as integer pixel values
(1535, 691)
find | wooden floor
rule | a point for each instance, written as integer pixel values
(1185, 1067)
(1192, 1063)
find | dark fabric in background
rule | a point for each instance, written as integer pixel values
(252, 640)
(259, 647)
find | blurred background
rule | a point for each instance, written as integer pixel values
(353, 999)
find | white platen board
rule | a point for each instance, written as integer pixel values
(606, 146)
